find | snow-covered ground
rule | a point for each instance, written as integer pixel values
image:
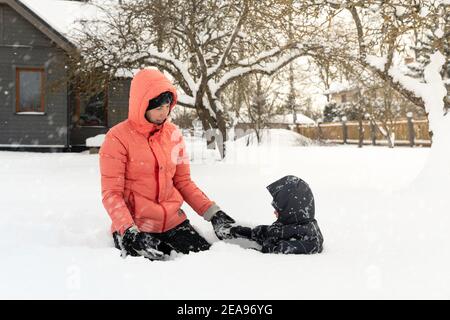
(381, 240)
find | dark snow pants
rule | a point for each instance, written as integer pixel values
(183, 238)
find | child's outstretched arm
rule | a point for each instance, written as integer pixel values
(241, 232)
(260, 233)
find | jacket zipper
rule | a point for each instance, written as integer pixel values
(157, 190)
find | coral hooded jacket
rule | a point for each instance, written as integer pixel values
(145, 173)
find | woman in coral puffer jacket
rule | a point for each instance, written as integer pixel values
(145, 177)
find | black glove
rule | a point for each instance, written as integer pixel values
(225, 227)
(259, 233)
(222, 224)
(137, 243)
(241, 232)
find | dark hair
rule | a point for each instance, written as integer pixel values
(162, 99)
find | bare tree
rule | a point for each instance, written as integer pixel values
(380, 26)
(261, 108)
(383, 111)
(199, 43)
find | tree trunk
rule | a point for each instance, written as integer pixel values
(361, 132)
(215, 129)
(203, 116)
(390, 137)
(222, 138)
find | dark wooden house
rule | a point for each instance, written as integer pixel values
(32, 116)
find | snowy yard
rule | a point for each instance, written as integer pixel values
(384, 213)
(381, 240)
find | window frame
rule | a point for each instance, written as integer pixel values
(32, 69)
(77, 111)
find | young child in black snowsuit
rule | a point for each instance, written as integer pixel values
(296, 230)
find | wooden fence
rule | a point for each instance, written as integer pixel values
(408, 132)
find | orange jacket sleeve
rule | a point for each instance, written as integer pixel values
(113, 159)
(188, 189)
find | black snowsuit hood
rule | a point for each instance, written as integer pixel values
(293, 200)
(296, 230)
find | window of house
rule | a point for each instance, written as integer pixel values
(91, 110)
(343, 98)
(30, 91)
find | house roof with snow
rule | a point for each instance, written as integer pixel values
(58, 19)
(53, 18)
(337, 87)
(62, 15)
(289, 119)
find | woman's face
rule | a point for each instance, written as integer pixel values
(158, 115)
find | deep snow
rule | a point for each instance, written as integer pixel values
(380, 241)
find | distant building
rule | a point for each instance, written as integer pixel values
(342, 93)
(345, 92)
